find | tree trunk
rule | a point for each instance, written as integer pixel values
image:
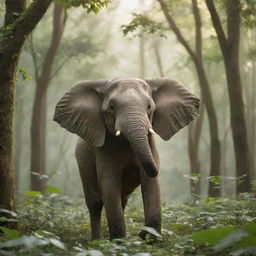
(10, 48)
(18, 135)
(253, 123)
(8, 66)
(238, 123)
(158, 57)
(224, 168)
(213, 126)
(38, 123)
(142, 57)
(230, 50)
(194, 134)
(7, 83)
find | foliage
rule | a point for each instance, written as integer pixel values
(23, 72)
(90, 5)
(252, 54)
(249, 13)
(53, 224)
(232, 240)
(147, 26)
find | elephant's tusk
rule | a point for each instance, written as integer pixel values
(151, 131)
(118, 133)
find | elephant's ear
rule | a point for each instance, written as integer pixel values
(79, 111)
(176, 107)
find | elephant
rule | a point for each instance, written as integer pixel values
(116, 121)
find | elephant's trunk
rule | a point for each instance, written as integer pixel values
(136, 129)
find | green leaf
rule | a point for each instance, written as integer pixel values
(24, 74)
(32, 193)
(216, 180)
(247, 241)
(57, 243)
(212, 236)
(26, 241)
(244, 251)
(10, 233)
(13, 214)
(7, 253)
(52, 190)
(4, 219)
(43, 233)
(250, 228)
(94, 253)
(230, 240)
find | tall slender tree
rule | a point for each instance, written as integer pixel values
(42, 79)
(19, 22)
(196, 56)
(158, 57)
(194, 135)
(18, 133)
(229, 45)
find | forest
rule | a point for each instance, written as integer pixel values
(128, 106)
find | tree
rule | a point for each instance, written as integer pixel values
(194, 134)
(42, 79)
(18, 132)
(158, 57)
(196, 56)
(19, 21)
(229, 45)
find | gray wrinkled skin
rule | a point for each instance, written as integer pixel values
(110, 166)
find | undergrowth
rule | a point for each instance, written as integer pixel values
(53, 224)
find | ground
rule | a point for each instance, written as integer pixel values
(57, 225)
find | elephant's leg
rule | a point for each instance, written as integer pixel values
(124, 201)
(86, 163)
(113, 206)
(130, 181)
(95, 208)
(151, 201)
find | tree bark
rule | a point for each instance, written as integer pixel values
(38, 122)
(205, 89)
(194, 134)
(253, 122)
(142, 57)
(18, 135)
(7, 183)
(158, 58)
(21, 22)
(230, 50)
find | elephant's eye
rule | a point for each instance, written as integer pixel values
(111, 106)
(149, 107)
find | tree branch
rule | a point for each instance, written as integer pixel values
(198, 30)
(59, 21)
(34, 58)
(233, 22)
(21, 28)
(59, 68)
(217, 25)
(175, 29)
(13, 10)
(158, 57)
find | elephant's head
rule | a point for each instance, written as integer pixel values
(134, 108)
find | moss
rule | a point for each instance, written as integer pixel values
(7, 99)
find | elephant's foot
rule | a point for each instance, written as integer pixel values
(117, 231)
